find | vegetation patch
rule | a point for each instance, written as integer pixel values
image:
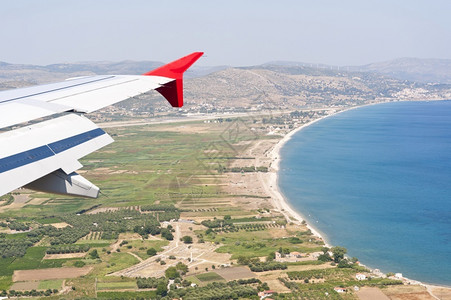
(33, 259)
(5, 282)
(50, 284)
(126, 295)
(120, 285)
(210, 276)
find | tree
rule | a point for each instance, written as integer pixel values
(162, 289)
(187, 239)
(151, 251)
(181, 267)
(338, 253)
(171, 273)
(79, 264)
(242, 260)
(344, 263)
(94, 254)
(186, 283)
(271, 256)
(227, 217)
(166, 233)
(324, 257)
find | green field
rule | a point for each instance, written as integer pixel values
(257, 244)
(5, 282)
(49, 220)
(140, 246)
(126, 295)
(115, 262)
(50, 284)
(122, 285)
(31, 260)
(210, 276)
(139, 168)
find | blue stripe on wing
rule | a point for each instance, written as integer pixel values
(42, 152)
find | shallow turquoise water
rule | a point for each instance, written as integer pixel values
(377, 180)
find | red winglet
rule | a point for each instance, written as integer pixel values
(173, 91)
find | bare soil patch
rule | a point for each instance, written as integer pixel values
(25, 286)
(441, 292)
(21, 198)
(235, 273)
(53, 273)
(65, 255)
(411, 292)
(371, 293)
(60, 225)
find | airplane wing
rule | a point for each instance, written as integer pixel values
(44, 156)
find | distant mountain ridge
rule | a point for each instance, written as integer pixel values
(55, 71)
(412, 69)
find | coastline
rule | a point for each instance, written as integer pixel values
(281, 203)
(271, 183)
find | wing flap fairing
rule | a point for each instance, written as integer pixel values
(58, 182)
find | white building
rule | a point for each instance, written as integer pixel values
(360, 276)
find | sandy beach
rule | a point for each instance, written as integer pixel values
(270, 182)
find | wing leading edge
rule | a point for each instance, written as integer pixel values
(44, 156)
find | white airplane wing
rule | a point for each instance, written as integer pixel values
(44, 156)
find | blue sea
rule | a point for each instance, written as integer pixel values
(377, 180)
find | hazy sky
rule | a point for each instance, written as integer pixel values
(237, 33)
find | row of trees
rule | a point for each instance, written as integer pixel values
(267, 266)
(151, 282)
(257, 266)
(32, 293)
(216, 223)
(215, 290)
(74, 248)
(334, 273)
(159, 207)
(18, 226)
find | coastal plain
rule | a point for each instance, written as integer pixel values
(223, 170)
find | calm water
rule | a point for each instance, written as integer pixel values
(377, 180)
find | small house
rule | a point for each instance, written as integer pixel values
(340, 289)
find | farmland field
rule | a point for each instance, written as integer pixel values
(211, 276)
(235, 273)
(45, 274)
(116, 285)
(50, 284)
